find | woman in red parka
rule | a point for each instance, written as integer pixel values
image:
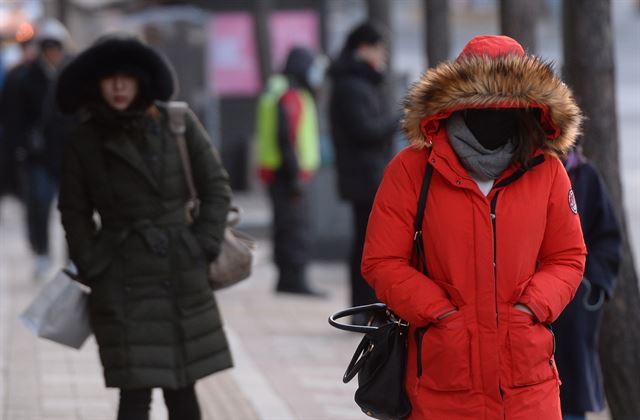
(502, 237)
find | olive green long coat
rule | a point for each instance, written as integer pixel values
(153, 314)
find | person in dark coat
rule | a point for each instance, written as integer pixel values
(9, 165)
(151, 308)
(362, 131)
(37, 130)
(289, 155)
(578, 328)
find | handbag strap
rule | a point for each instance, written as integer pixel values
(177, 124)
(419, 258)
(419, 261)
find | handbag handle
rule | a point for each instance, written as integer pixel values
(374, 307)
(359, 357)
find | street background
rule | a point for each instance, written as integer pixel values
(289, 361)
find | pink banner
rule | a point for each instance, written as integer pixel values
(292, 28)
(233, 68)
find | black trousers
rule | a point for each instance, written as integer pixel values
(361, 292)
(291, 233)
(39, 192)
(182, 404)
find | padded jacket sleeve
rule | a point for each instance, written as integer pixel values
(561, 259)
(76, 212)
(386, 261)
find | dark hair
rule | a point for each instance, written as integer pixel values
(530, 135)
(366, 33)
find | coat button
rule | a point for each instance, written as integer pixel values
(458, 182)
(433, 160)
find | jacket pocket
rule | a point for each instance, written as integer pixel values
(444, 355)
(532, 346)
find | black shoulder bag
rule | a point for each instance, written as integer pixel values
(380, 359)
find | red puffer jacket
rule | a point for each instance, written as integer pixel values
(520, 244)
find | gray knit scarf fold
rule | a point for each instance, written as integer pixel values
(482, 164)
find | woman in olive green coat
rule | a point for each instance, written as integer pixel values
(152, 310)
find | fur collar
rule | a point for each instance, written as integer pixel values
(482, 81)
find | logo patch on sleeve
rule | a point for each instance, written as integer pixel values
(572, 202)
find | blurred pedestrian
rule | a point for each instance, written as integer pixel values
(151, 308)
(501, 233)
(362, 129)
(578, 328)
(35, 131)
(9, 165)
(289, 155)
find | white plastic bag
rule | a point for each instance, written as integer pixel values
(60, 311)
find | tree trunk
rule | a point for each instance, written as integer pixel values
(589, 69)
(261, 12)
(437, 31)
(379, 11)
(518, 19)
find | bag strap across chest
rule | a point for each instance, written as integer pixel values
(177, 124)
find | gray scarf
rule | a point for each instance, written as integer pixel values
(482, 164)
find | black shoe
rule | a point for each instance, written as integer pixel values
(300, 289)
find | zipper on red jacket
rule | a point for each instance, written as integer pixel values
(418, 336)
(553, 336)
(494, 202)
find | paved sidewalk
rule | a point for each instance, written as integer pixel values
(289, 361)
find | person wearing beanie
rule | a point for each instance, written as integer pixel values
(503, 246)
(37, 130)
(362, 130)
(288, 156)
(151, 308)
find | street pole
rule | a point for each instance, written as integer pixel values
(261, 12)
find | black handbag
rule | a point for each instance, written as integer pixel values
(380, 359)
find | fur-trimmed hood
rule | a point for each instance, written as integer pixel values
(77, 84)
(492, 72)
